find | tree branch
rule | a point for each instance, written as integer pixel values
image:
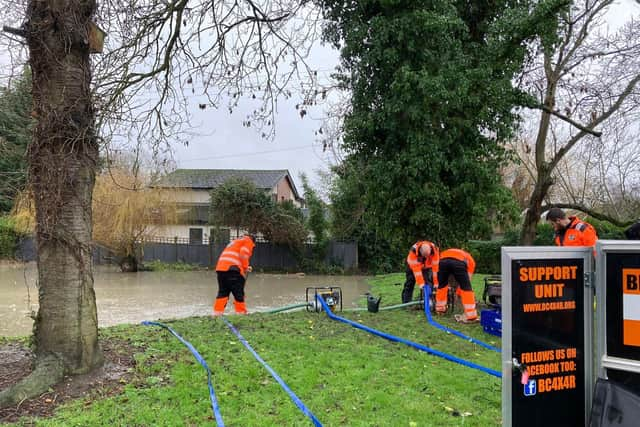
(20, 32)
(593, 213)
(569, 120)
(628, 90)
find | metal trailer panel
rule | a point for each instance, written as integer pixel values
(603, 358)
(510, 254)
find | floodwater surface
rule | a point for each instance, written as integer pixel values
(150, 295)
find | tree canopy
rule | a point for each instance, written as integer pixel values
(432, 100)
(584, 85)
(238, 203)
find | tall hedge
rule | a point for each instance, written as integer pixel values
(487, 253)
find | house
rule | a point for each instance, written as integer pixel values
(192, 189)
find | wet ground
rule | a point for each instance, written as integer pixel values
(134, 297)
(108, 380)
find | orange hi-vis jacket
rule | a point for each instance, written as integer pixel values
(461, 255)
(416, 262)
(236, 254)
(578, 233)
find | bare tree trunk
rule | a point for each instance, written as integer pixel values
(543, 180)
(534, 210)
(62, 158)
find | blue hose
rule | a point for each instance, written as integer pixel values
(407, 342)
(427, 312)
(286, 388)
(212, 394)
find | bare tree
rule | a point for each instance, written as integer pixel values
(581, 81)
(157, 52)
(603, 175)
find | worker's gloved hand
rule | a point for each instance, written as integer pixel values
(249, 269)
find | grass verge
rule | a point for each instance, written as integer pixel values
(345, 376)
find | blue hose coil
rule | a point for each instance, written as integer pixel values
(407, 342)
(212, 394)
(273, 373)
(427, 313)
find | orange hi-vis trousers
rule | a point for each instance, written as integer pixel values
(230, 282)
(468, 301)
(458, 269)
(221, 303)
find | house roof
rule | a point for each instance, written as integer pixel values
(207, 179)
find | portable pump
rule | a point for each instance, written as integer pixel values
(491, 318)
(332, 296)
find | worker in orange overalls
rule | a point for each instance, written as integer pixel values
(422, 267)
(461, 265)
(571, 231)
(232, 269)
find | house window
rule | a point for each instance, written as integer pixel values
(195, 236)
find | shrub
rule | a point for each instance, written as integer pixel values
(8, 238)
(157, 265)
(606, 230)
(487, 255)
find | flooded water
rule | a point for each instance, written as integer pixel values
(134, 297)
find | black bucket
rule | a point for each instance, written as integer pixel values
(373, 304)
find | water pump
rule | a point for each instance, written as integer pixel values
(332, 296)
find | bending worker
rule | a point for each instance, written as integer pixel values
(422, 262)
(571, 231)
(232, 269)
(461, 265)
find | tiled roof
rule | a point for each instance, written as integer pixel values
(207, 179)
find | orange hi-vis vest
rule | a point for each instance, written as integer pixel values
(461, 255)
(236, 254)
(578, 233)
(417, 262)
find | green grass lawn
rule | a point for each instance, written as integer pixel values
(345, 376)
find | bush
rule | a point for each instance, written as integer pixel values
(9, 237)
(487, 253)
(606, 230)
(157, 265)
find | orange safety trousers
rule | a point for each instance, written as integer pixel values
(230, 282)
(468, 301)
(221, 303)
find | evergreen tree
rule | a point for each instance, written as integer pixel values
(15, 134)
(432, 101)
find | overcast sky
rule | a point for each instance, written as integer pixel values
(224, 143)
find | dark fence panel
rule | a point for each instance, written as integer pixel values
(265, 256)
(344, 254)
(194, 254)
(27, 250)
